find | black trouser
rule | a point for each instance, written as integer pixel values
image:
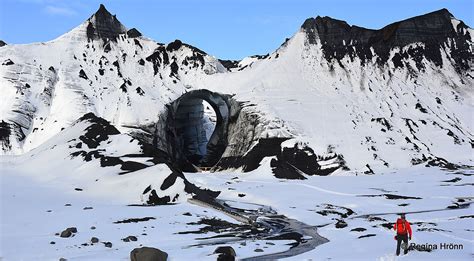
(400, 238)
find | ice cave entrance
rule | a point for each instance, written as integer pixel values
(196, 129)
(196, 121)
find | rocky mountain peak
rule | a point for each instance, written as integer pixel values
(104, 25)
(431, 30)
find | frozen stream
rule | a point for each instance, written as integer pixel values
(270, 225)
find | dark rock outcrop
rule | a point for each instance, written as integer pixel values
(148, 254)
(173, 46)
(5, 132)
(103, 25)
(153, 199)
(340, 223)
(292, 162)
(8, 62)
(2, 43)
(226, 253)
(129, 238)
(432, 30)
(229, 64)
(251, 160)
(134, 220)
(98, 131)
(133, 33)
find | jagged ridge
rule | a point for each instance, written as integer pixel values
(432, 30)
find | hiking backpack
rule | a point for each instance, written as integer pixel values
(401, 228)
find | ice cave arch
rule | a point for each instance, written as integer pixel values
(196, 131)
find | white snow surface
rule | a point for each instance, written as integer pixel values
(34, 198)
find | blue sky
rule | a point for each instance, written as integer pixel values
(228, 29)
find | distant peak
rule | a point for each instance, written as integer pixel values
(2, 43)
(103, 12)
(339, 39)
(102, 8)
(443, 11)
(309, 23)
(102, 24)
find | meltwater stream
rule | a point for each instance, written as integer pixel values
(264, 224)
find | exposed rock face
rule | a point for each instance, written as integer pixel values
(133, 33)
(5, 132)
(226, 253)
(2, 43)
(293, 162)
(250, 153)
(148, 254)
(430, 30)
(104, 25)
(230, 64)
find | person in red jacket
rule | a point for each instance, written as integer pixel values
(403, 233)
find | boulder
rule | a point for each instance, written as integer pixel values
(68, 232)
(226, 253)
(129, 238)
(148, 254)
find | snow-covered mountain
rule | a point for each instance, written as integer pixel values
(98, 67)
(355, 98)
(101, 128)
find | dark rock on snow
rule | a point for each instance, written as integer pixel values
(134, 220)
(98, 131)
(68, 232)
(148, 254)
(368, 235)
(8, 62)
(129, 238)
(225, 253)
(133, 33)
(341, 224)
(229, 64)
(358, 229)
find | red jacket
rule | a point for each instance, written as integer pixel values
(402, 227)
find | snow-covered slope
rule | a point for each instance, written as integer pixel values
(93, 156)
(114, 73)
(382, 98)
(379, 99)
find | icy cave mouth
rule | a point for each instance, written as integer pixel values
(195, 123)
(198, 122)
